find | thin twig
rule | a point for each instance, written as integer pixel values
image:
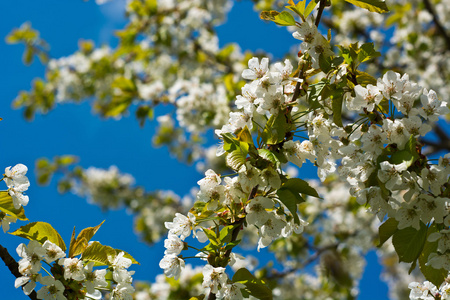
(436, 21)
(319, 13)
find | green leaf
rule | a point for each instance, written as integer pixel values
(408, 155)
(254, 286)
(77, 247)
(325, 63)
(226, 233)
(378, 6)
(275, 129)
(40, 231)
(300, 9)
(99, 253)
(66, 160)
(366, 52)
(7, 206)
(300, 186)
(364, 78)
(386, 230)
(336, 105)
(290, 200)
(244, 135)
(268, 155)
(284, 19)
(315, 90)
(229, 142)
(231, 245)
(409, 242)
(236, 159)
(402, 156)
(311, 5)
(211, 236)
(431, 274)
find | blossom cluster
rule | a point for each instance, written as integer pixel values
(17, 183)
(111, 188)
(428, 291)
(71, 277)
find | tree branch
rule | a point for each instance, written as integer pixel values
(436, 21)
(319, 13)
(13, 267)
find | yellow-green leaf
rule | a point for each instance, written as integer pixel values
(7, 206)
(284, 19)
(378, 6)
(40, 231)
(82, 240)
(99, 253)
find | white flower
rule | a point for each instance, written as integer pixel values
(31, 257)
(122, 291)
(439, 261)
(391, 174)
(297, 153)
(73, 268)
(231, 291)
(391, 85)
(18, 198)
(270, 177)
(256, 210)
(433, 179)
(53, 251)
(213, 278)
(172, 265)
(367, 97)
(173, 244)
(308, 33)
(181, 225)
(29, 282)
(432, 106)
(272, 227)
(94, 278)
(256, 70)
(293, 227)
(374, 139)
(17, 183)
(52, 289)
(210, 181)
(120, 264)
(444, 239)
(285, 71)
(415, 126)
(407, 216)
(6, 220)
(15, 177)
(396, 132)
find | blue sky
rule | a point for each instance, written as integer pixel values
(71, 129)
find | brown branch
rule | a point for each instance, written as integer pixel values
(13, 267)
(436, 21)
(319, 13)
